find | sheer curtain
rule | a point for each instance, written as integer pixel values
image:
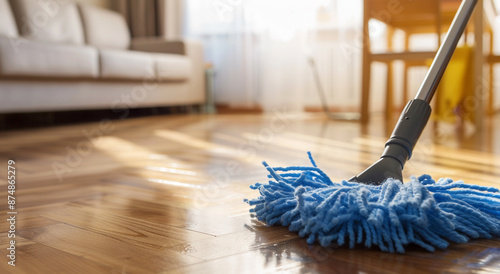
(260, 50)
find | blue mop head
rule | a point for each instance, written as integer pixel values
(391, 216)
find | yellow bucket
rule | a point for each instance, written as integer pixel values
(455, 86)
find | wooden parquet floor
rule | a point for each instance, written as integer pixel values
(165, 194)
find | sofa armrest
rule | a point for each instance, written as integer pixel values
(160, 45)
(192, 49)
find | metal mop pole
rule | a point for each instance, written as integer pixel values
(443, 56)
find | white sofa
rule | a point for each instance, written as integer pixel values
(58, 55)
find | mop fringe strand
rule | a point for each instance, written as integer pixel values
(390, 216)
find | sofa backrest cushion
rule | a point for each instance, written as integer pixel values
(105, 28)
(49, 20)
(7, 23)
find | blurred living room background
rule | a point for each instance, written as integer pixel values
(233, 55)
(135, 128)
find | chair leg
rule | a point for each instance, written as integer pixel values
(491, 92)
(365, 92)
(404, 97)
(366, 67)
(405, 76)
(389, 99)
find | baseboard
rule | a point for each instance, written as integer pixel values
(331, 109)
(227, 109)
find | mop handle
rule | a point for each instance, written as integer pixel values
(443, 56)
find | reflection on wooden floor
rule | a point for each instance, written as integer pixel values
(164, 194)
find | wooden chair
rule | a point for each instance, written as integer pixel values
(412, 17)
(490, 13)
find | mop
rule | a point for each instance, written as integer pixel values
(375, 208)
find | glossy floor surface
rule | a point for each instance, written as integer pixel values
(165, 194)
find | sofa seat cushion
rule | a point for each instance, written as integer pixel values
(126, 64)
(7, 22)
(172, 67)
(23, 57)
